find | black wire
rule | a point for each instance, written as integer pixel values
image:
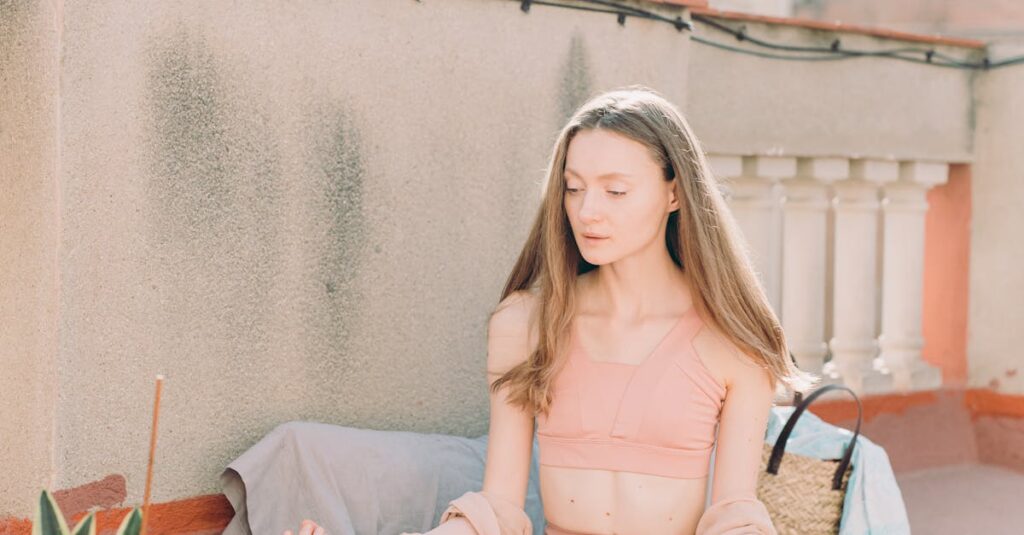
(833, 49)
(638, 11)
(1008, 61)
(581, 8)
(832, 53)
(829, 57)
(630, 11)
(895, 53)
(641, 13)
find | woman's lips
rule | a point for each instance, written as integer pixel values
(590, 239)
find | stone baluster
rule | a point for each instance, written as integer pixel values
(855, 275)
(904, 208)
(804, 210)
(752, 193)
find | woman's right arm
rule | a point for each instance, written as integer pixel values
(510, 340)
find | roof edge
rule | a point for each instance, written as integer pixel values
(830, 26)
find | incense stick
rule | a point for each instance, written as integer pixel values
(152, 451)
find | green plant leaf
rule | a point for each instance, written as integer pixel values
(48, 520)
(86, 526)
(131, 524)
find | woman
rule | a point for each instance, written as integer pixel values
(632, 329)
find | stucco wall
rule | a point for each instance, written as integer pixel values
(995, 338)
(295, 214)
(865, 107)
(29, 235)
(308, 213)
(946, 284)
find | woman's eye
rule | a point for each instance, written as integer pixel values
(614, 193)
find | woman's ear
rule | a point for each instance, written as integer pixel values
(673, 199)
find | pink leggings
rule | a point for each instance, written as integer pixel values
(552, 529)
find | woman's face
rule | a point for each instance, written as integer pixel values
(615, 190)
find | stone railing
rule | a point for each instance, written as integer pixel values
(839, 246)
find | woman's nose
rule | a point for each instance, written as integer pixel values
(590, 207)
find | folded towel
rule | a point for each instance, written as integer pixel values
(359, 481)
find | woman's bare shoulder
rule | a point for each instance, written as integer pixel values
(511, 331)
(723, 358)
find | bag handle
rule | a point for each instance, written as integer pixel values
(780, 443)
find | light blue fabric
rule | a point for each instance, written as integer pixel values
(873, 504)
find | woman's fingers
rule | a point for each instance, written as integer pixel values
(307, 527)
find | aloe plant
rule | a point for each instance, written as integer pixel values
(50, 521)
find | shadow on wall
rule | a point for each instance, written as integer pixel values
(576, 80)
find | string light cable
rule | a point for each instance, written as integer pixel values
(834, 52)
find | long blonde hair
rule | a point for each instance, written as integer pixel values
(707, 246)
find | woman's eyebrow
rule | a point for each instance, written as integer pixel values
(606, 175)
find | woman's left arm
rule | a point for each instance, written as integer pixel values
(735, 509)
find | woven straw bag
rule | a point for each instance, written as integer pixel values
(804, 495)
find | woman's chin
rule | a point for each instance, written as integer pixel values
(596, 260)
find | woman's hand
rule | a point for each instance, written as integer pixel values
(308, 527)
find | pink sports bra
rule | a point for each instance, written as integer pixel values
(657, 417)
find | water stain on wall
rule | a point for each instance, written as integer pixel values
(192, 165)
(338, 174)
(215, 225)
(13, 25)
(576, 79)
(213, 191)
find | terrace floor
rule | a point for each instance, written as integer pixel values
(964, 499)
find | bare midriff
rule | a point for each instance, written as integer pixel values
(606, 502)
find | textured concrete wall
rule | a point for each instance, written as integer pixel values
(29, 234)
(292, 214)
(868, 107)
(308, 213)
(995, 338)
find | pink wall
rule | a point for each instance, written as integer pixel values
(946, 261)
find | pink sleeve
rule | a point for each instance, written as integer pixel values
(477, 510)
(480, 513)
(512, 519)
(742, 514)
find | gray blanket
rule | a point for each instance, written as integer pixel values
(357, 481)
